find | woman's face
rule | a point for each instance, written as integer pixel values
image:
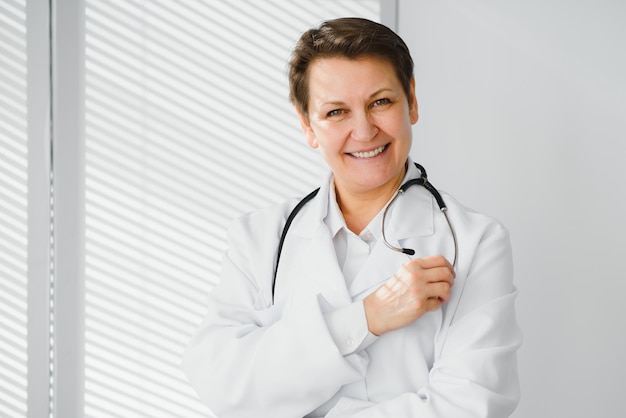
(360, 119)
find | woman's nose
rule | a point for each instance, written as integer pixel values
(364, 128)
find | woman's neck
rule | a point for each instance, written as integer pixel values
(359, 209)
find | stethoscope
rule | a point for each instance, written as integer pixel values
(421, 181)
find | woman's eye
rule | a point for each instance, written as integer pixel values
(381, 102)
(335, 112)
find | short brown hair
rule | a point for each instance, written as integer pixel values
(351, 38)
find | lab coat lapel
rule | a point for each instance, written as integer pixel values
(321, 273)
(312, 263)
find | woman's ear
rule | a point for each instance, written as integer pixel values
(306, 128)
(413, 114)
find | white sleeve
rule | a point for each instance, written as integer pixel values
(246, 360)
(475, 376)
(348, 328)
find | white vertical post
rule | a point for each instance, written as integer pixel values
(38, 130)
(68, 40)
(389, 14)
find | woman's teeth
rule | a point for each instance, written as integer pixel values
(368, 154)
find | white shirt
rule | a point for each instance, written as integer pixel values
(348, 326)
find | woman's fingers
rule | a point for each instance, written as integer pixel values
(419, 286)
(429, 263)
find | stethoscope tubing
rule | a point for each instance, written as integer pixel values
(421, 181)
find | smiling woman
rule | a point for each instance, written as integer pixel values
(350, 323)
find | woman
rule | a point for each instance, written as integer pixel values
(353, 328)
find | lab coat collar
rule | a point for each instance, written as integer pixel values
(311, 221)
(412, 213)
(334, 219)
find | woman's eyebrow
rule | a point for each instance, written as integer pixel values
(377, 92)
(341, 102)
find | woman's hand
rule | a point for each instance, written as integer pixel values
(419, 286)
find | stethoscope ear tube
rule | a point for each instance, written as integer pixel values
(435, 194)
(292, 215)
(444, 210)
(401, 190)
(423, 181)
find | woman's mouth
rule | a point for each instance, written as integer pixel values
(369, 154)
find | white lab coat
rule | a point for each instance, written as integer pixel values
(253, 359)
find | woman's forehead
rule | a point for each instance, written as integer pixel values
(340, 76)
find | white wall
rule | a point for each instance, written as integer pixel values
(523, 116)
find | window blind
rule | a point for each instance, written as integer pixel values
(13, 209)
(188, 124)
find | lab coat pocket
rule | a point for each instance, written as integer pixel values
(284, 306)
